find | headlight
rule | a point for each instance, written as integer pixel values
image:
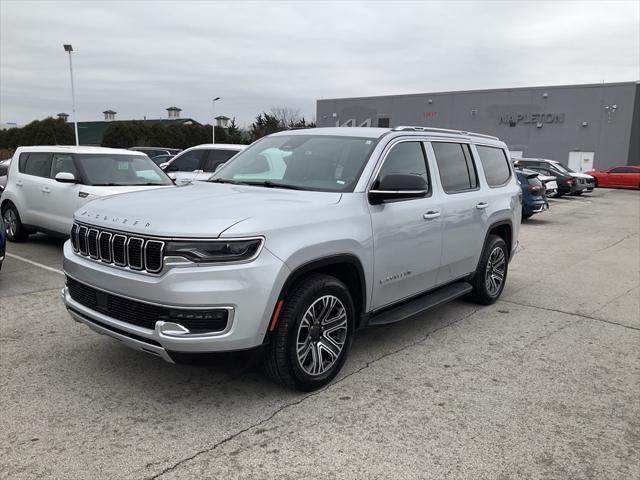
(214, 251)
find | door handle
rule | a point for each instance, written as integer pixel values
(482, 205)
(431, 214)
(46, 189)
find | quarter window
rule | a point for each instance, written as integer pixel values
(405, 157)
(457, 170)
(38, 164)
(495, 165)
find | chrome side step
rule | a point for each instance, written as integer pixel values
(420, 304)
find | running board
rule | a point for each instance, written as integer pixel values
(421, 304)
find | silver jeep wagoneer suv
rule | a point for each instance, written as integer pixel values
(298, 241)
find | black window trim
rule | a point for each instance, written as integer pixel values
(383, 159)
(79, 176)
(459, 142)
(509, 164)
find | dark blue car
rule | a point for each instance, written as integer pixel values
(534, 199)
(3, 241)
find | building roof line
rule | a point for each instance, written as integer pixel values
(504, 89)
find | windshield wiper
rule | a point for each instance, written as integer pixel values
(224, 180)
(270, 184)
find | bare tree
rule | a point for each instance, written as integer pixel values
(286, 116)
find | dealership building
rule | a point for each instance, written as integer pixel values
(583, 126)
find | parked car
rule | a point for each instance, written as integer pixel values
(623, 176)
(569, 182)
(550, 185)
(533, 193)
(200, 162)
(364, 226)
(162, 159)
(155, 151)
(47, 184)
(3, 242)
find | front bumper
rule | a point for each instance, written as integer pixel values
(250, 290)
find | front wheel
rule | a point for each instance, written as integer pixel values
(313, 335)
(491, 275)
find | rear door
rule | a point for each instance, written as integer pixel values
(34, 181)
(463, 209)
(63, 198)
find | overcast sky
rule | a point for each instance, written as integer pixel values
(140, 57)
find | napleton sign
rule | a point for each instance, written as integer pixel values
(513, 119)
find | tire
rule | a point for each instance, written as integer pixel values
(300, 326)
(595, 182)
(14, 229)
(579, 192)
(526, 215)
(483, 290)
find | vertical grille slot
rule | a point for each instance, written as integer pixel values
(153, 255)
(105, 247)
(134, 253)
(74, 237)
(119, 252)
(82, 240)
(92, 243)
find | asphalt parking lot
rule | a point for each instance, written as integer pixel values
(543, 384)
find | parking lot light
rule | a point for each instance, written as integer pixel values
(69, 49)
(213, 121)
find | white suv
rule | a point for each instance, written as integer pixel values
(200, 162)
(47, 184)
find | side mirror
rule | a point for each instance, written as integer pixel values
(398, 186)
(65, 177)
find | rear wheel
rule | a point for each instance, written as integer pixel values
(491, 275)
(13, 227)
(313, 335)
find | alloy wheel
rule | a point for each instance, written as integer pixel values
(321, 335)
(495, 271)
(10, 222)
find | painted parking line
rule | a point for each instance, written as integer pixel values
(31, 262)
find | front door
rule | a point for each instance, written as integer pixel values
(62, 198)
(407, 234)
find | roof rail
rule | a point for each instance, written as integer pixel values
(441, 130)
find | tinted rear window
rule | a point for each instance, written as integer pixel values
(457, 170)
(495, 165)
(38, 164)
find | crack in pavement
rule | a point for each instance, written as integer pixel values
(616, 243)
(573, 314)
(318, 392)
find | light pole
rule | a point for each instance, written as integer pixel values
(213, 121)
(69, 48)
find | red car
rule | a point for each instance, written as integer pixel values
(623, 176)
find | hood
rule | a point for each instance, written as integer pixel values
(580, 175)
(98, 191)
(200, 209)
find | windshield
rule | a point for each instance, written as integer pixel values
(118, 170)
(562, 168)
(304, 162)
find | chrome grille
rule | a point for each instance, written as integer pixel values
(118, 249)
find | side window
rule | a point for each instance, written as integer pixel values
(457, 170)
(495, 165)
(188, 162)
(63, 162)
(405, 157)
(217, 157)
(623, 170)
(38, 164)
